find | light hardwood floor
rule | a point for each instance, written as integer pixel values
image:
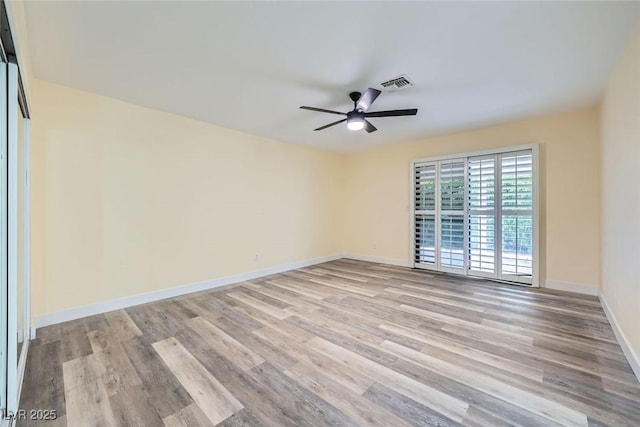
(341, 343)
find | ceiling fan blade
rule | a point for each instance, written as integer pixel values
(367, 99)
(392, 113)
(331, 124)
(322, 110)
(369, 127)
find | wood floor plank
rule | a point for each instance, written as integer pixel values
(298, 406)
(48, 372)
(131, 407)
(261, 296)
(442, 403)
(363, 325)
(471, 326)
(87, 401)
(243, 418)
(225, 344)
(344, 288)
(214, 400)
(361, 410)
(308, 291)
(339, 338)
(515, 367)
(326, 321)
(506, 411)
(123, 326)
(489, 385)
(164, 391)
(271, 352)
(118, 373)
(244, 385)
(291, 298)
(223, 306)
(95, 323)
(262, 317)
(406, 408)
(192, 415)
(444, 300)
(75, 345)
(153, 321)
(101, 339)
(479, 418)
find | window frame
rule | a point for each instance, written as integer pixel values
(534, 147)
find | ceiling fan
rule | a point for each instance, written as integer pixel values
(357, 118)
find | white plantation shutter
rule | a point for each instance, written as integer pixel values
(425, 249)
(452, 215)
(482, 212)
(475, 215)
(424, 186)
(517, 215)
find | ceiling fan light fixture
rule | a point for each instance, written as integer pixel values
(355, 123)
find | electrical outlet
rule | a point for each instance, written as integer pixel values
(257, 257)
(374, 246)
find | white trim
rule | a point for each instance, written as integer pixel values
(632, 357)
(578, 288)
(3, 240)
(379, 260)
(120, 303)
(535, 150)
(26, 227)
(412, 214)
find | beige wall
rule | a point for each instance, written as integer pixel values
(137, 200)
(377, 185)
(621, 192)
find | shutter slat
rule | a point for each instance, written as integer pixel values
(517, 217)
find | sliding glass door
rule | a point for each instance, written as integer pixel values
(474, 215)
(15, 317)
(15, 235)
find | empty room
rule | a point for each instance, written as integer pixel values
(367, 213)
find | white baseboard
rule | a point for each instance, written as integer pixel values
(120, 303)
(579, 288)
(631, 355)
(379, 260)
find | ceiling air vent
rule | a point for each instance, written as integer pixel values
(397, 83)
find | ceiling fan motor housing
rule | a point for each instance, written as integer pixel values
(355, 115)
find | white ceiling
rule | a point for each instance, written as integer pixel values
(250, 65)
